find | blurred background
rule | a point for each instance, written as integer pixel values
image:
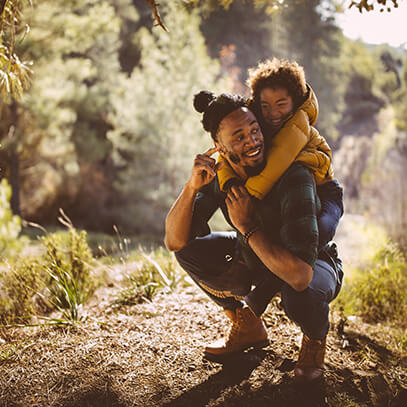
(105, 127)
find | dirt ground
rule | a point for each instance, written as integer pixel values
(151, 355)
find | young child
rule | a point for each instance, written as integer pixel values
(287, 109)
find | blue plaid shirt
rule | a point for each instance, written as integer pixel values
(287, 215)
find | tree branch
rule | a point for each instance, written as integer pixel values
(156, 14)
(2, 5)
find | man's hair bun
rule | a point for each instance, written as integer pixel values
(202, 100)
(215, 108)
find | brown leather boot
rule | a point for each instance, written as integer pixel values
(247, 331)
(310, 365)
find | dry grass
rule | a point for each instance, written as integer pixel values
(151, 354)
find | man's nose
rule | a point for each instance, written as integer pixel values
(251, 140)
(274, 114)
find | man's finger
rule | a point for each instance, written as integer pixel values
(236, 191)
(211, 151)
(206, 168)
(231, 195)
(205, 158)
(242, 190)
(219, 165)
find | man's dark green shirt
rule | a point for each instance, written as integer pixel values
(287, 214)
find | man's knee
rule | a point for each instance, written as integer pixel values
(211, 252)
(302, 307)
(189, 255)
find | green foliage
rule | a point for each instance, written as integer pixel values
(367, 5)
(250, 42)
(18, 286)
(305, 31)
(153, 272)
(14, 72)
(10, 225)
(377, 293)
(68, 263)
(156, 131)
(59, 279)
(66, 296)
(400, 102)
(371, 80)
(75, 47)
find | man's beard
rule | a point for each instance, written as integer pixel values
(233, 157)
(250, 171)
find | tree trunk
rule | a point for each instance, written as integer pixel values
(2, 5)
(14, 163)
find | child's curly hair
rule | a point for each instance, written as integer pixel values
(275, 74)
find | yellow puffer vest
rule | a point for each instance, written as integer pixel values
(297, 140)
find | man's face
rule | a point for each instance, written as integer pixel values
(276, 106)
(241, 139)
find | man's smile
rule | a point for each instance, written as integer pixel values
(275, 122)
(254, 152)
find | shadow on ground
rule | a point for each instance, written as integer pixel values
(229, 386)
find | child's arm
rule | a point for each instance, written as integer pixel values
(317, 156)
(285, 147)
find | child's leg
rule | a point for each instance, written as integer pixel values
(328, 221)
(331, 196)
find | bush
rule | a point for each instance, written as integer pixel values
(10, 225)
(60, 279)
(378, 293)
(68, 262)
(18, 287)
(69, 257)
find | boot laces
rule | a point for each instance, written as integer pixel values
(236, 328)
(311, 353)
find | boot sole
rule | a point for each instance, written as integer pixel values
(216, 357)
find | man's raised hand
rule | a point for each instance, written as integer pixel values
(204, 169)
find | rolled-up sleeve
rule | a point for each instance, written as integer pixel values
(205, 205)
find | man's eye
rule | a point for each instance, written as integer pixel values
(255, 130)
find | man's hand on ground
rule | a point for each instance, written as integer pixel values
(204, 169)
(240, 208)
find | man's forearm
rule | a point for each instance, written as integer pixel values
(178, 222)
(280, 261)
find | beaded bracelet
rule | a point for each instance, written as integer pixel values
(249, 233)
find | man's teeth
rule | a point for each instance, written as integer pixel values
(254, 152)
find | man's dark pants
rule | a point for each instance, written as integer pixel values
(206, 258)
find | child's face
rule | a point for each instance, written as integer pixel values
(276, 106)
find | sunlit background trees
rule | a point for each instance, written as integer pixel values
(106, 129)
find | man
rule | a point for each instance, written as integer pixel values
(276, 239)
